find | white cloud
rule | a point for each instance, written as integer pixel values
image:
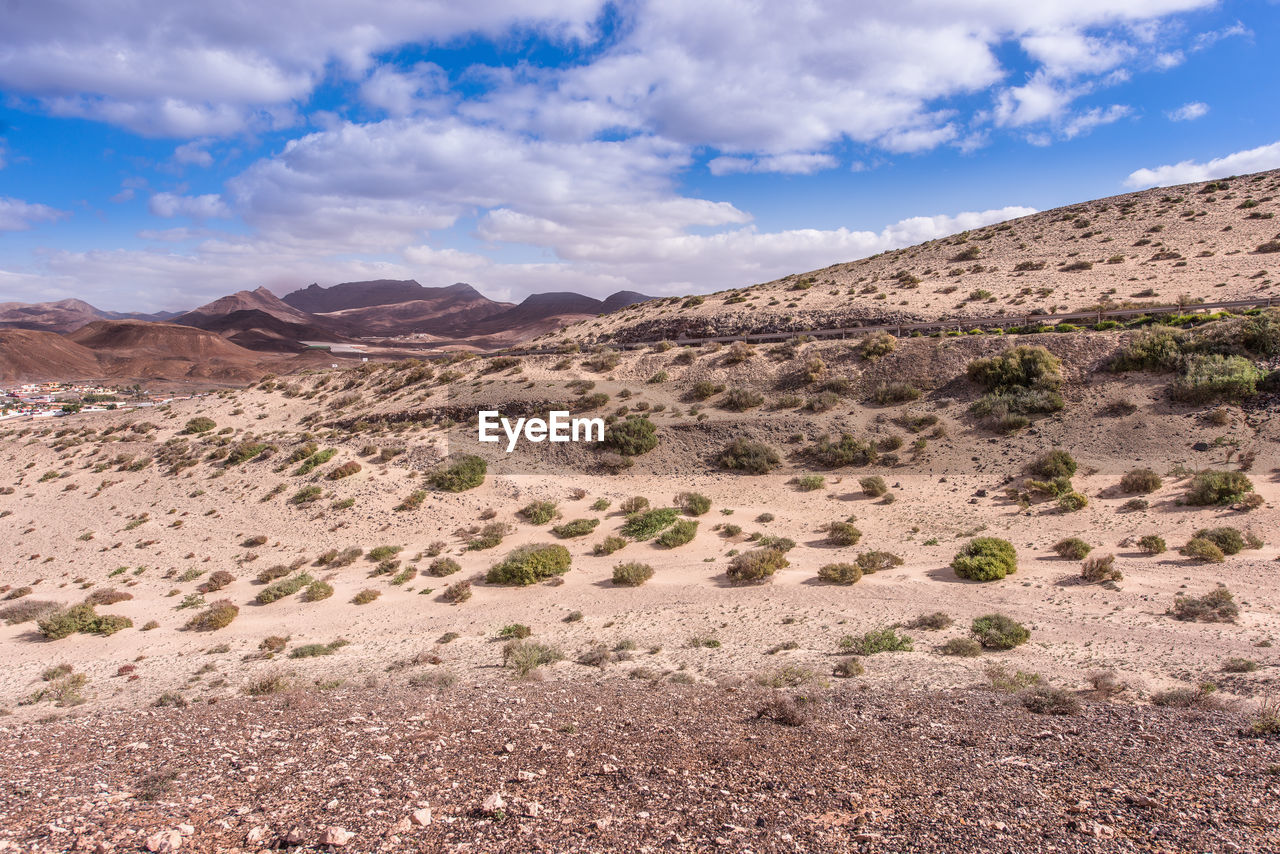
(193, 154)
(1096, 117)
(185, 70)
(1258, 159)
(787, 164)
(1189, 112)
(17, 215)
(208, 206)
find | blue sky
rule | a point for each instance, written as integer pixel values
(155, 155)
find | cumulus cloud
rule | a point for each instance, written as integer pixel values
(1258, 159)
(208, 206)
(17, 215)
(1189, 112)
(181, 69)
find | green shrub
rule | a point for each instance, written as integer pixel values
(466, 473)
(283, 588)
(1073, 501)
(576, 528)
(244, 452)
(876, 561)
(877, 345)
(840, 573)
(756, 566)
(647, 524)
(847, 668)
(986, 559)
(842, 533)
(1202, 550)
(199, 424)
(891, 393)
(750, 457)
(306, 495)
(539, 512)
(1100, 568)
(314, 650)
(515, 631)
(1020, 367)
(847, 451)
(413, 501)
(632, 574)
(1216, 606)
(740, 400)
(1050, 700)
(317, 591)
(810, 482)
(961, 647)
(345, 470)
(1054, 464)
(81, 619)
(442, 566)
(874, 486)
(490, 537)
(1159, 349)
(703, 389)
(1229, 540)
(683, 531)
(530, 564)
(878, 640)
(1072, 548)
(1142, 481)
(693, 503)
(1152, 544)
(634, 504)
(457, 593)
(381, 553)
(524, 656)
(608, 545)
(217, 616)
(1217, 487)
(997, 631)
(631, 437)
(1209, 378)
(364, 597)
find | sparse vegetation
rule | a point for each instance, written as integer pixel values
(986, 559)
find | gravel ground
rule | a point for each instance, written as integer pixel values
(616, 766)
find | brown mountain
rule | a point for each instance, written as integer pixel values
(259, 320)
(135, 348)
(65, 315)
(315, 299)
(28, 355)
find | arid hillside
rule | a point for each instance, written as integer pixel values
(317, 515)
(1211, 241)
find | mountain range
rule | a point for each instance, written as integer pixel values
(344, 313)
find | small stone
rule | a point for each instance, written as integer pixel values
(164, 842)
(493, 803)
(294, 836)
(336, 836)
(421, 817)
(255, 835)
(186, 829)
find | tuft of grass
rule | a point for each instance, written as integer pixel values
(530, 564)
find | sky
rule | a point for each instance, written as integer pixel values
(157, 154)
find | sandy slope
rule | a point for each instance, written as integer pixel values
(197, 521)
(1152, 246)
